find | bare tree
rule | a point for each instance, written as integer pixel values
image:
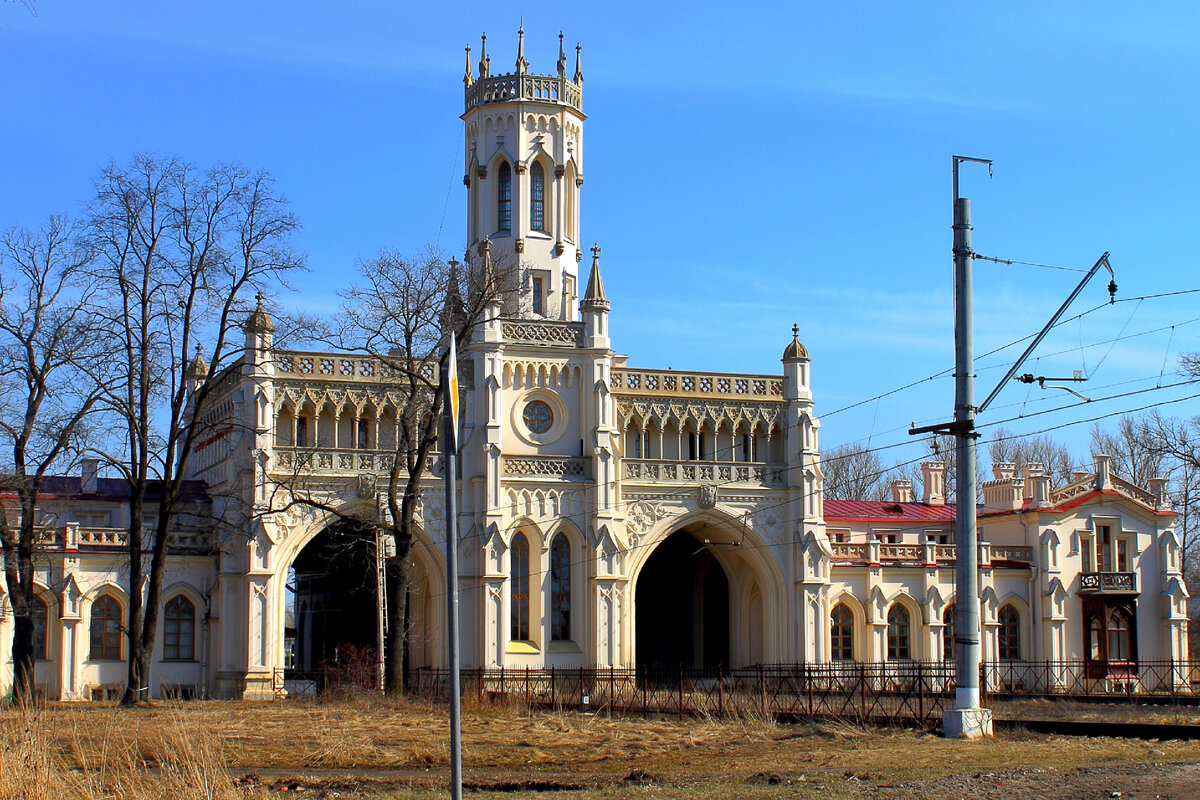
(1133, 455)
(45, 346)
(1177, 443)
(403, 312)
(178, 252)
(854, 472)
(1007, 448)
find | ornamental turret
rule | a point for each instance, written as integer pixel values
(524, 171)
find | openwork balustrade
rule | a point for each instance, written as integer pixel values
(702, 472)
(72, 536)
(923, 553)
(340, 367)
(546, 467)
(542, 88)
(687, 384)
(554, 334)
(308, 460)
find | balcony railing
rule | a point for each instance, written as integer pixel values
(656, 471)
(689, 384)
(1108, 583)
(320, 460)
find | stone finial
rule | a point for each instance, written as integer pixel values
(578, 68)
(199, 367)
(468, 78)
(562, 57)
(795, 351)
(593, 297)
(485, 63)
(259, 321)
(522, 64)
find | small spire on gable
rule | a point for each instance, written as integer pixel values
(594, 297)
(578, 67)
(468, 78)
(562, 57)
(453, 310)
(485, 69)
(522, 64)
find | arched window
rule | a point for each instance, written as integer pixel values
(948, 632)
(504, 199)
(1009, 633)
(537, 197)
(898, 633)
(41, 624)
(106, 629)
(1120, 640)
(179, 630)
(519, 629)
(560, 589)
(841, 630)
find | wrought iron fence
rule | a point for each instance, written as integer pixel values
(891, 692)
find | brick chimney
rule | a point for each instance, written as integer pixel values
(902, 491)
(933, 476)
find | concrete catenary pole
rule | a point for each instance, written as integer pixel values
(450, 447)
(967, 719)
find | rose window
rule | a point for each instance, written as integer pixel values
(538, 416)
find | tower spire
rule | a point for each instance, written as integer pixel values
(484, 61)
(578, 67)
(562, 57)
(522, 64)
(594, 296)
(468, 78)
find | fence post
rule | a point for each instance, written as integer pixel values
(645, 689)
(528, 697)
(806, 672)
(921, 690)
(681, 691)
(762, 689)
(553, 691)
(720, 691)
(862, 691)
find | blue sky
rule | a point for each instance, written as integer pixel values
(747, 166)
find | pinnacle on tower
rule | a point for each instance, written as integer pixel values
(578, 68)
(562, 57)
(522, 64)
(485, 63)
(594, 296)
(468, 78)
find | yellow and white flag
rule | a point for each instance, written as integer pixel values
(452, 394)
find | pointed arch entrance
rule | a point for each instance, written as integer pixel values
(682, 601)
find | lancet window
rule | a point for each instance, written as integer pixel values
(504, 199)
(560, 589)
(537, 197)
(519, 589)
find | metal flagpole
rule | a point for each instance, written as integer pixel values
(450, 450)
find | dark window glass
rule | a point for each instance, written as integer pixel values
(179, 630)
(898, 634)
(106, 629)
(519, 629)
(537, 198)
(41, 623)
(504, 199)
(364, 434)
(1120, 642)
(842, 633)
(538, 416)
(1009, 633)
(560, 589)
(537, 295)
(948, 632)
(301, 431)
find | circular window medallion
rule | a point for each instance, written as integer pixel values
(538, 416)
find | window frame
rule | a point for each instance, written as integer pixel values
(841, 634)
(1008, 633)
(899, 633)
(504, 198)
(949, 618)
(106, 643)
(519, 589)
(179, 634)
(560, 588)
(537, 197)
(43, 616)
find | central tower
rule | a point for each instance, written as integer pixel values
(524, 170)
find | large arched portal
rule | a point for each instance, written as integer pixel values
(335, 607)
(682, 607)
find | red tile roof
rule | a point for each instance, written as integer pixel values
(862, 510)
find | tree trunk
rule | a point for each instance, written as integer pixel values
(137, 667)
(395, 666)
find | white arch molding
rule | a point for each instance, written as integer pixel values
(289, 547)
(747, 567)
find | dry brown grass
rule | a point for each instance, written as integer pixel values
(384, 748)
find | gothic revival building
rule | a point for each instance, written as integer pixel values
(610, 514)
